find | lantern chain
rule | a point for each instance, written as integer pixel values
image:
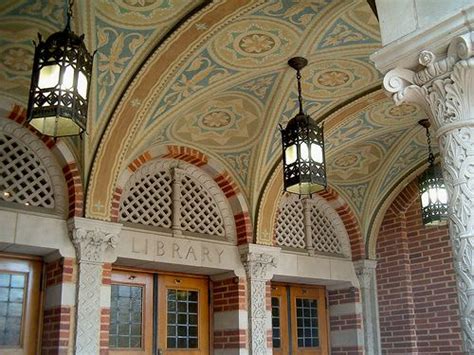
(430, 151)
(300, 96)
(69, 14)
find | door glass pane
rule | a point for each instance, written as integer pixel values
(307, 323)
(276, 322)
(12, 295)
(182, 319)
(126, 316)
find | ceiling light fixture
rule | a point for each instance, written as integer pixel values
(304, 168)
(433, 195)
(60, 82)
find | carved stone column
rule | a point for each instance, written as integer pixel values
(91, 239)
(365, 270)
(259, 262)
(444, 87)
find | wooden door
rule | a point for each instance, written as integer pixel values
(19, 305)
(183, 319)
(308, 320)
(280, 326)
(299, 320)
(131, 313)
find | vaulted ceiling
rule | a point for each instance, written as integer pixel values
(213, 76)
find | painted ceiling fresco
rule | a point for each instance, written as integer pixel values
(227, 94)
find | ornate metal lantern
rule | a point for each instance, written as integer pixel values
(304, 168)
(434, 198)
(60, 81)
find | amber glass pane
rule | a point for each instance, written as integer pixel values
(12, 295)
(126, 317)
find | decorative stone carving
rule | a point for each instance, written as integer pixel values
(365, 271)
(91, 240)
(259, 262)
(91, 244)
(445, 89)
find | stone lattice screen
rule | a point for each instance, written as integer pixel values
(24, 179)
(310, 224)
(177, 196)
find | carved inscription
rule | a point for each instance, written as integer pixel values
(196, 253)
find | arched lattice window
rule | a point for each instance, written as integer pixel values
(311, 224)
(29, 174)
(175, 195)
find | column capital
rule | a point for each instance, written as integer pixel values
(92, 238)
(442, 86)
(259, 261)
(365, 271)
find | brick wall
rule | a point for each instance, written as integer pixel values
(229, 301)
(416, 284)
(105, 311)
(57, 318)
(345, 321)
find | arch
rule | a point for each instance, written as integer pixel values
(61, 152)
(46, 160)
(400, 198)
(197, 163)
(127, 117)
(268, 206)
(315, 224)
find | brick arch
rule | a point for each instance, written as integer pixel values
(268, 205)
(398, 201)
(60, 151)
(215, 170)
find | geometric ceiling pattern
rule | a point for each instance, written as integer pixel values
(226, 91)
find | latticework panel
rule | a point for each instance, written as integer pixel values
(290, 229)
(323, 234)
(149, 201)
(199, 212)
(23, 178)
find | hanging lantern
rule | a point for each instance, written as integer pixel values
(60, 82)
(433, 195)
(304, 169)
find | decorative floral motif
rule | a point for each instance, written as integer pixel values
(113, 59)
(346, 160)
(256, 43)
(17, 59)
(53, 11)
(297, 12)
(258, 87)
(342, 34)
(216, 119)
(251, 44)
(402, 110)
(333, 78)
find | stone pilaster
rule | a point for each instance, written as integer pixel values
(93, 241)
(365, 270)
(259, 262)
(444, 87)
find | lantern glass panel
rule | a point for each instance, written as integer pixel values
(304, 151)
(316, 153)
(49, 76)
(55, 126)
(82, 85)
(425, 199)
(68, 78)
(442, 195)
(290, 154)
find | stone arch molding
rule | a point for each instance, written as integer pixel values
(176, 170)
(310, 223)
(52, 172)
